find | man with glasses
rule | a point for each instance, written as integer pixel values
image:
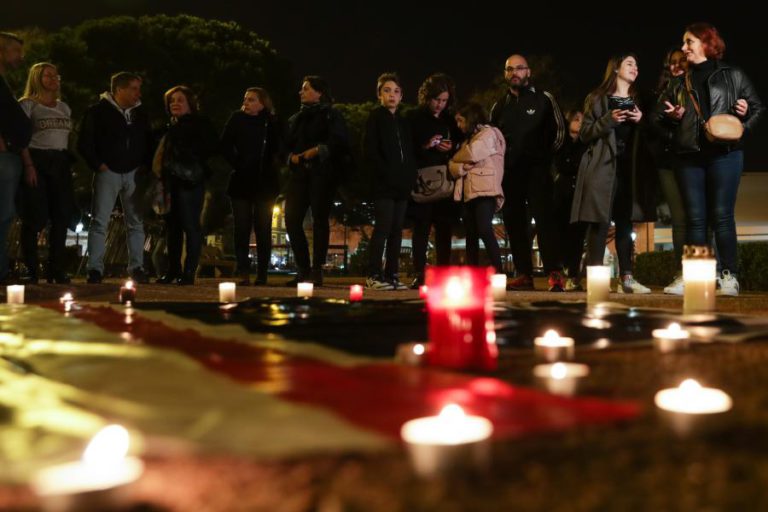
(534, 129)
(15, 132)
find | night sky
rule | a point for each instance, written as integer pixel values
(350, 43)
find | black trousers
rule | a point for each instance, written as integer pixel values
(309, 188)
(253, 214)
(184, 220)
(478, 220)
(571, 235)
(51, 200)
(443, 215)
(387, 228)
(530, 190)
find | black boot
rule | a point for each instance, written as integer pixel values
(317, 277)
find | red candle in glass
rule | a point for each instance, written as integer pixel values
(461, 331)
(355, 293)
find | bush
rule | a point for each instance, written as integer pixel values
(656, 268)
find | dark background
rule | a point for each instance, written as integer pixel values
(350, 43)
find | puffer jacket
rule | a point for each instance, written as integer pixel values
(726, 85)
(484, 152)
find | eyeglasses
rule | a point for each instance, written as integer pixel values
(512, 69)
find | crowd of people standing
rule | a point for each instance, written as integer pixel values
(575, 174)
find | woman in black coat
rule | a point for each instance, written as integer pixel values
(250, 142)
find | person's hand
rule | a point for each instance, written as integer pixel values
(741, 107)
(634, 115)
(311, 153)
(433, 142)
(30, 175)
(467, 167)
(619, 115)
(445, 146)
(295, 159)
(674, 111)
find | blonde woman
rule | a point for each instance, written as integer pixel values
(46, 191)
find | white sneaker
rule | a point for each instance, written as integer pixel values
(629, 285)
(573, 284)
(397, 284)
(676, 287)
(729, 285)
(377, 283)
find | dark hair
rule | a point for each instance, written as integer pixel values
(187, 92)
(666, 76)
(714, 46)
(122, 80)
(474, 114)
(434, 86)
(319, 84)
(6, 37)
(387, 77)
(570, 115)
(608, 86)
(264, 98)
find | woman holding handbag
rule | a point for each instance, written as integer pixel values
(712, 95)
(478, 167)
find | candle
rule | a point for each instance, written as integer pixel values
(423, 292)
(11, 339)
(449, 442)
(227, 292)
(499, 286)
(460, 315)
(598, 283)
(96, 482)
(15, 293)
(127, 292)
(411, 353)
(688, 402)
(672, 338)
(304, 289)
(552, 347)
(67, 297)
(355, 293)
(560, 378)
(699, 276)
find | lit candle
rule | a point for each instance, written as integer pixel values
(423, 292)
(560, 378)
(499, 286)
(688, 402)
(11, 339)
(96, 482)
(67, 297)
(449, 442)
(598, 283)
(552, 347)
(411, 353)
(127, 292)
(672, 338)
(355, 293)
(699, 276)
(304, 289)
(15, 293)
(227, 292)
(460, 318)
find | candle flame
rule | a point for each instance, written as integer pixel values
(674, 327)
(129, 284)
(109, 445)
(551, 335)
(690, 385)
(418, 349)
(451, 412)
(67, 297)
(455, 291)
(558, 371)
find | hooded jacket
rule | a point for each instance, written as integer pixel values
(484, 153)
(388, 147)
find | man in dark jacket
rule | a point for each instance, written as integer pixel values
(534, 129)
(116, 142)
(15, 132)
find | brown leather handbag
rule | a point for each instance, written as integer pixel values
(719, 128)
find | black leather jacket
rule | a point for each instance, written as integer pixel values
(726, 85)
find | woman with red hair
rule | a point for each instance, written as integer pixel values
(710, 170)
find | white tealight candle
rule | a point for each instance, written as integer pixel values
(690, 401)
(560, 378)
(411, 353)
(552, 347)
(598, 283)
(304, 289)
(15, 293)
(97, 481)
(127, 293)
(672, 338)
(449, 442)
(499, 286)
(227, 292)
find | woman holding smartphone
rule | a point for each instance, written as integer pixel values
(709, 171)
(613, 183)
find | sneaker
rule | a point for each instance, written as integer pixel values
(573, 284)
(378, 283)
(521, 283)
(139, 276)
(629, 285)
(417, 283)
(555, 282)
(397, 284)
(729, 285)
(94, 277)
(676, 287)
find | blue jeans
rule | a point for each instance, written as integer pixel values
(709, 184)
(107, 186)
(10, 176)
